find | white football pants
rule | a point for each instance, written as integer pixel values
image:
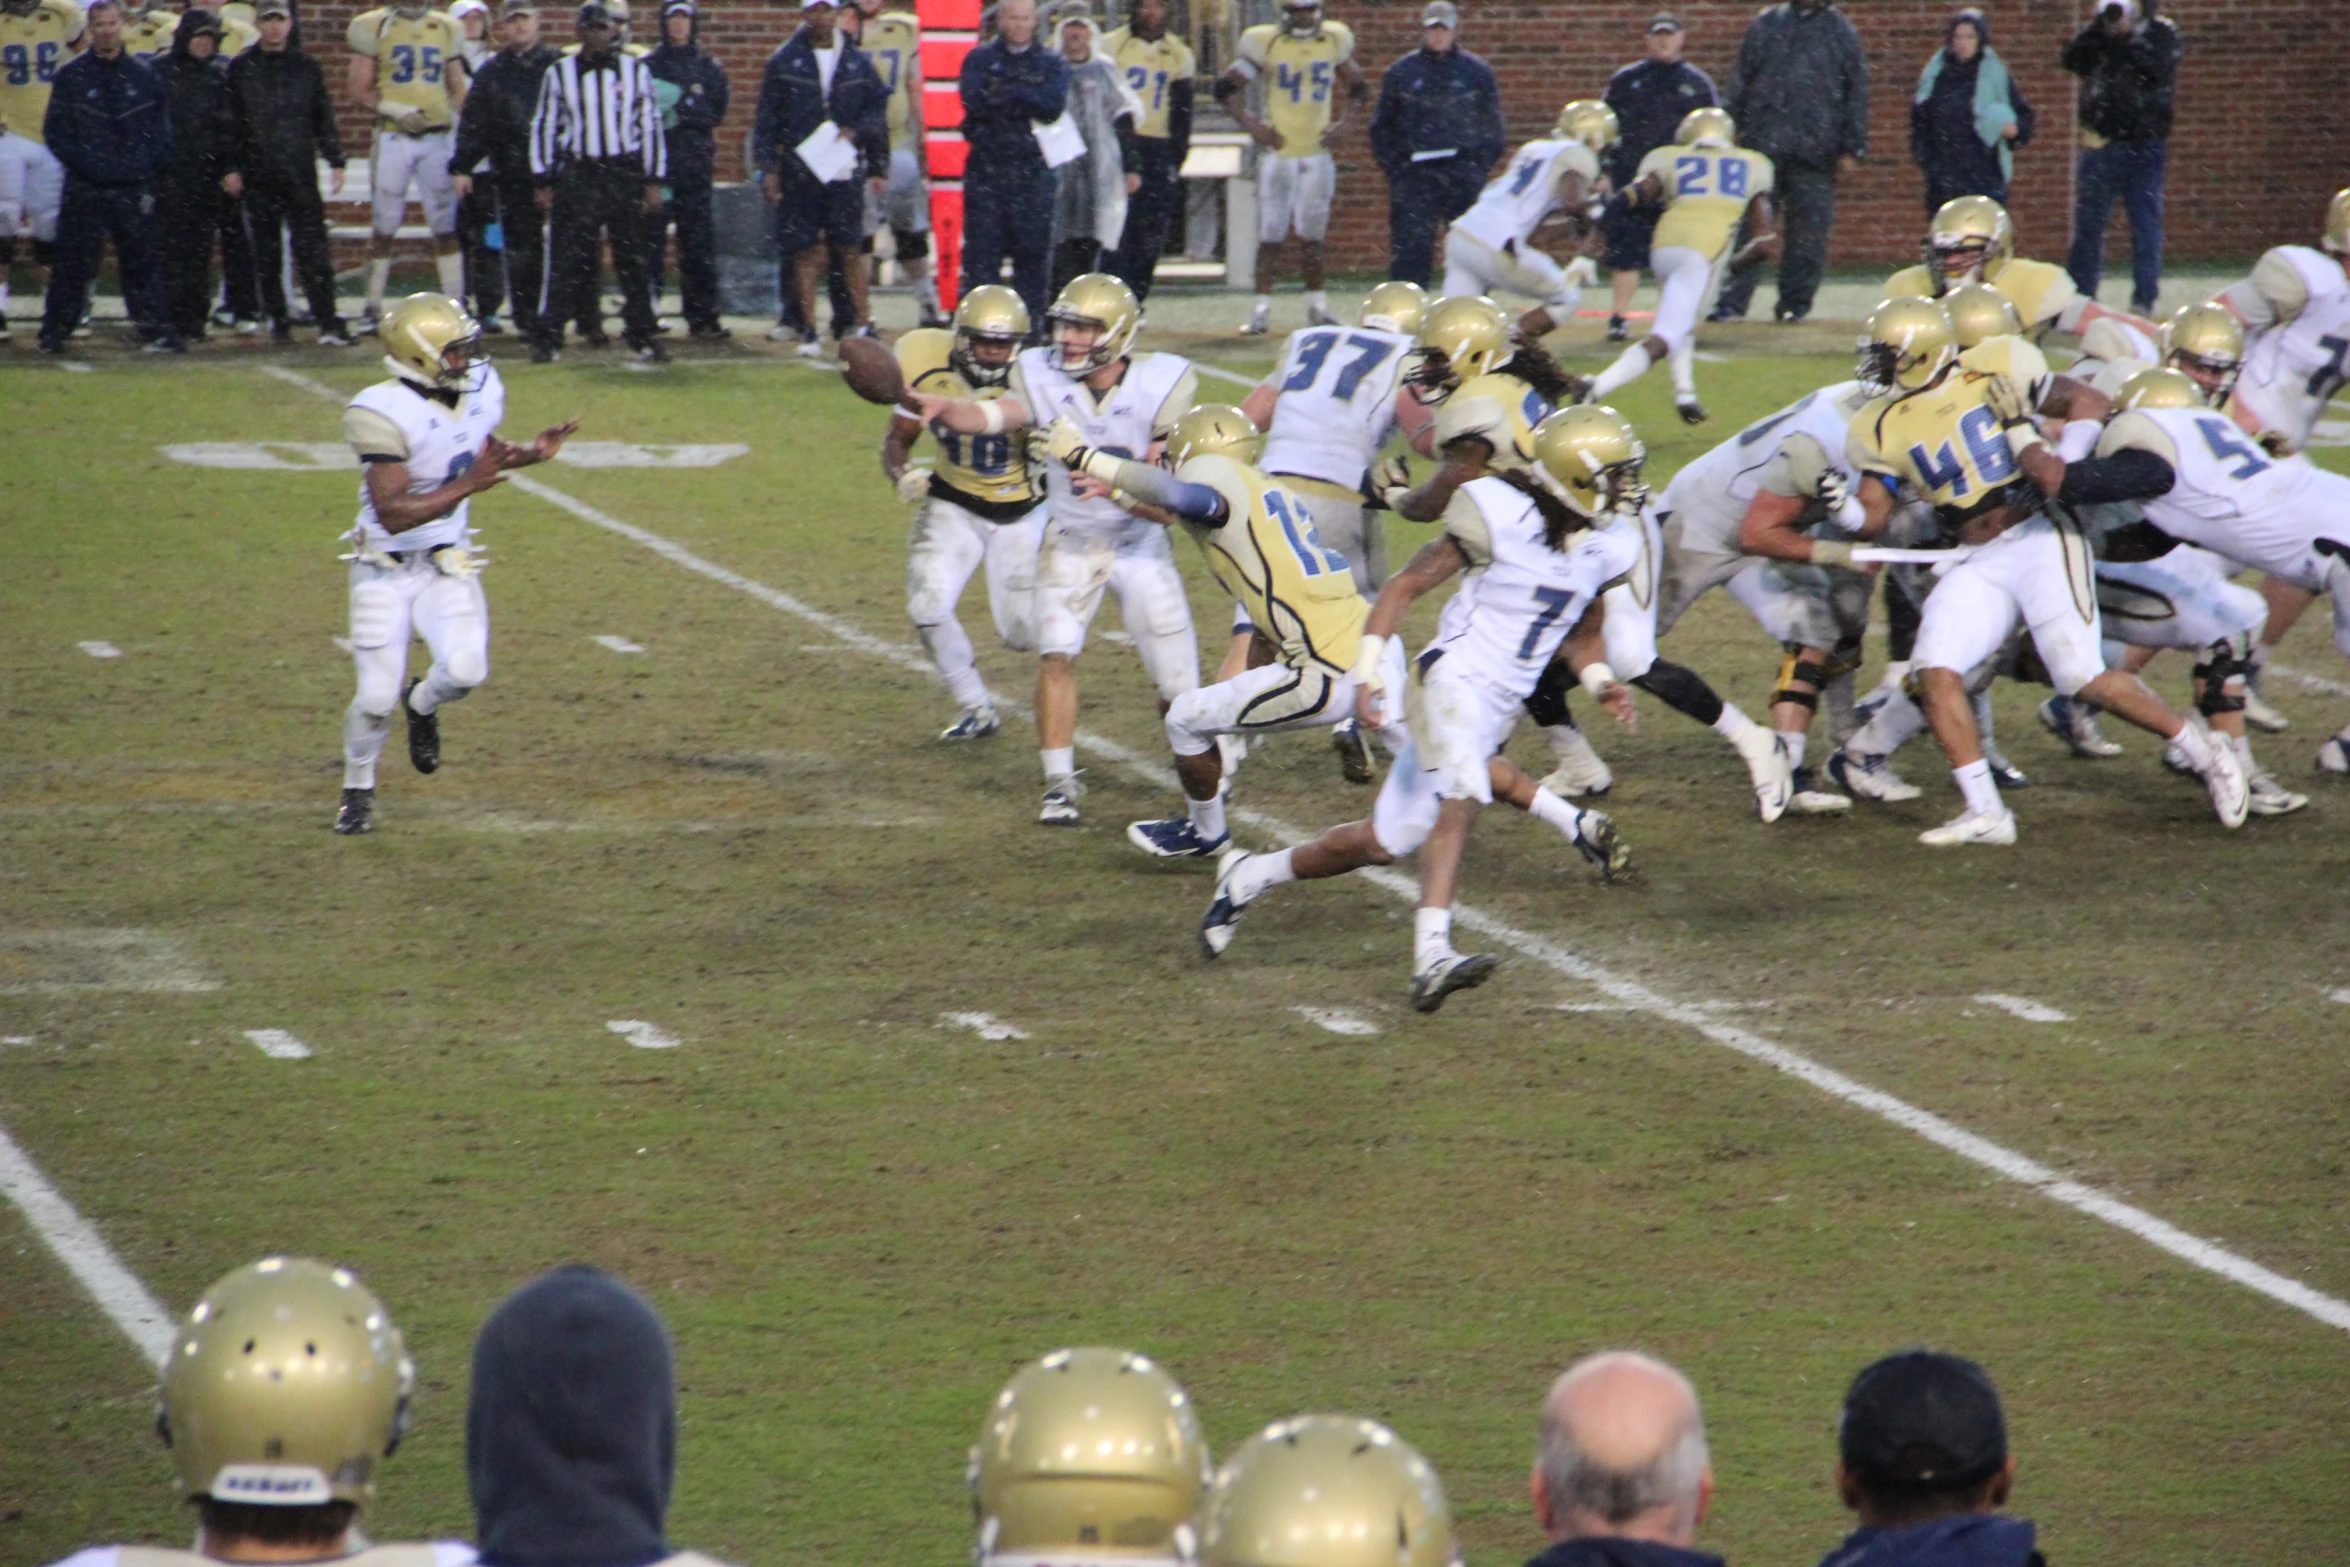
(388, 606)
(32, 185)
(2037, 572)
(949, 543)
(1136, 563)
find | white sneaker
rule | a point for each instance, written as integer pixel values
(1260, 322)
(811, 348)
(2270, 798)
(1060, 801)
(2333, 756)
(1972, 827)
(1871, 778)
(2231, 791)
(783, 334)
(1455, 971)
(2260, 715)
(1580, 770)
(1767, 764)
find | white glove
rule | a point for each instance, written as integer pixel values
(405, 117)
(1835, 490)
(1460, 417)
(2008, 399)
(1582, 271)
(914, 484)
(1390, 477)
(1064, 442)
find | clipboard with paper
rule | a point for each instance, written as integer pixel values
(828, 154)
(1060, 141)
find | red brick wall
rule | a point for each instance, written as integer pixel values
(2263, 112)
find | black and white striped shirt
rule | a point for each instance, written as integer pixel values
(600, 110)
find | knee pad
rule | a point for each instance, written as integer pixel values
(467, 669)
(1546, 704)
(1844, 658)
(1793, 667)
(1183, 722)
(2229, 663)
(913, 244)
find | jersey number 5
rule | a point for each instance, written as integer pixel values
(2220, 436)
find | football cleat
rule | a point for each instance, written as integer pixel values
(2075, 723)
(595, 337)
(1617, 332)
(1809, 799)
(1580, 770)
(424, 734)
(1766, 763)
(1870, 778)
(367, 323)
(1174, 838)
(2225, 777)
(2270, 798)
(2005, 773)
(544, 353)
(357, 814)
(1444, 976)
(1259, 323)
(1060, 802)
(648, 350)
(1224, 911)
(1597, 838)
(2260, 715)
(710, 334)
(1354, 752)
(2176, 760)
(1690, 409)
(1997, 827)
(1317, 316)
(977, 724)
(490, 325)
(1868, 706)
(810, 347)
(336, 337)
(2332, 757)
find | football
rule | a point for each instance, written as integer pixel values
(871, 369)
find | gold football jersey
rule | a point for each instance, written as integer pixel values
(2039, 290)
(992, 469)
(1299, 593)
(1301, 78)
(893, 42)
(32, 50)
(1152, 67)
(1525, 407)
(412, 56)
(1706, 190)
(149, 37)
(1944, 442)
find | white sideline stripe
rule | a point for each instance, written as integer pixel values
(278, 1045)
(297, 378)
(619, 644)
(985, 1024)
(1221, 374)
(73, 367)
(1337, 1020)
(85, 1253)
(2341, 994)
(2024, 1007)
(645, 1036)
(2310, 682)
(1981, 1151)
(100, 649)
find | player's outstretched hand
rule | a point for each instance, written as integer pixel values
(1615, 699)
(490, 464)
(550, 441)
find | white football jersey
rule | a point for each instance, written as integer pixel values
(1156, 390)
(2234, 499)
(439, 1553)
(437, 443)
(1337, 402)
(1806, 438)
(1520, 597)
(1514, 203)
(2293, 368)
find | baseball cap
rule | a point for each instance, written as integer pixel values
(1440, 13)
(269, 8)
(594, 14)
(517, 8)
(1922, 1421)
(673, 7)
(1664, 22)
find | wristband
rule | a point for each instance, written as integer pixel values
(1830, 552)
(1102, 465)
(1596, 678)
(1368, 660)
(2022, 436)
(991, 417)
(1851, 516)
(2079, 439)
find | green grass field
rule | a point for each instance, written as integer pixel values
(858, 1218)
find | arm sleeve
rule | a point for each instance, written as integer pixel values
(373, 436)
(467, 151)
(2132, 474)
(1796, 468)
(1179, 402)
(1198, 503)
(1464, 521)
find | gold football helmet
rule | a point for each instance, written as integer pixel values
(429, 339)
(1394, 306)
(2335, 238)
(1461, 338)
(1979, 311)
(1700, 127)
(2159, 389)
(1908, 342)
(1327, 1491)
(1589, 457)
(2205, 343)
(1971, 239)
(1215, 430)
(284, 1387)
(1590, 122)
(992, 315)
(1103, 304)
(1089, 1456)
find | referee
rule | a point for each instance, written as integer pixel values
(597, 157)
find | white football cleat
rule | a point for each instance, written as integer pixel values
(1259, 322)
(1768, 765)
(1450, 973)
(1871, 778)
(2333, 756)
(1060, 801)
(2223, 776)
(1215, 930)
(2270, 798)
(2075, 723)
(1809, 799)
(2260, 715)
(1580, 770)
(976, 724)
(1972, 827)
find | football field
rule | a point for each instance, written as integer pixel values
(701, 959)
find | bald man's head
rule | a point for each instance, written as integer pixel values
(1623, 1452)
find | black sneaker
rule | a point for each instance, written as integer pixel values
(357, 814)
(1787, 317)
(281, 333)
(544, 353)
(710, 334)
(648, 351)
(491, 326)
(424, 734)
(596, 337)
(1617, 332)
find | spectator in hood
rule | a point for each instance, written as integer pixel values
(284, 122)
(2128, 62)
(1622, 1478)
(690, 121)
(571, 1431)
(188, 191)
(1800, 94)
(109, 124)
(1968, 117)
(1089, 207)
(1923, 1463)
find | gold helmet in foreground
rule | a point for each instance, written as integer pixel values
(1327, 1491)
(1103, 303)
(1461, 338)
(1970, 238)
(1394, 306)
(420, 335)
(1907, 343)
(1701, 126)
(2159, 389)
(1089, 1455)
(1215, 430)
(2205, 343)
(2335, 237)
(284, 1387)
(1590, 122)
(991, 313)
(1589, 457)
(1979, 311)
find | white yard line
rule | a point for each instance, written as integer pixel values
(73, 367)
(645, 1036)
(1337, 1020)
(1980, 1151)
(85, 1253)
(619, 644)
(1221, 374)
(277, 1044)
(2309, 682)
(100, 649)
(2024, 1007)
(985, 1024)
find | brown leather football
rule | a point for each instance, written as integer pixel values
(871, 369)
